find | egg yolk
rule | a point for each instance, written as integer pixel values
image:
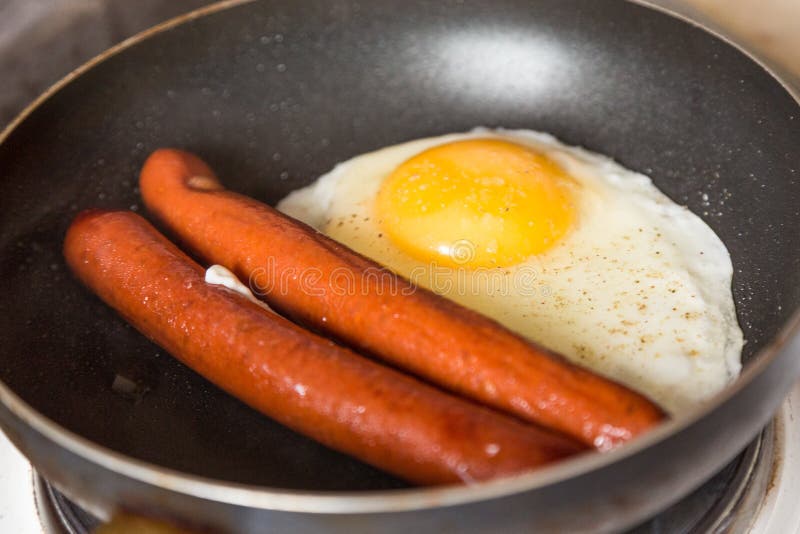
(476, 203)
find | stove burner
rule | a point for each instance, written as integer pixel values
(729, 501)
(726, 503)
(58, 514)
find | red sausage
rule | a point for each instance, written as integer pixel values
(306, 382)
(413, 329)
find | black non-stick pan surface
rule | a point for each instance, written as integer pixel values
(275, 93)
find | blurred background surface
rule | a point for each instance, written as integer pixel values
(43, 40)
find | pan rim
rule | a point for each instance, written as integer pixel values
(382, 501)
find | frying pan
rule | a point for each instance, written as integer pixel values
(274, 93)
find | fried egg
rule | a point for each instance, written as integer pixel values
(561, 245)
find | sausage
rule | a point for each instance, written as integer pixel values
(410, 327)
(345, 401)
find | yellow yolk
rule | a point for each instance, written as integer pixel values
(476, 203)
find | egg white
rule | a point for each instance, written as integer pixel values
(639, 290)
